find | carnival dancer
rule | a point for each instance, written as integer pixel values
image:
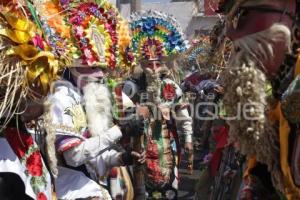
(155, 38)
(78, 118)
(27, 70)
(85, 146)
(263, 65)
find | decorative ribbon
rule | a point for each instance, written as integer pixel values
(41, 66)
(22, 30)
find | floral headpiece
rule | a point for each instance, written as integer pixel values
(85, 33)
(156, 35)
(95, 26)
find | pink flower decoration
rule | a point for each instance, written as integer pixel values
(79, 31)
(38, 41)
(88, 53)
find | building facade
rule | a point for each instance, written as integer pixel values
(195, 16)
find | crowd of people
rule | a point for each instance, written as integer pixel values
(94, 106)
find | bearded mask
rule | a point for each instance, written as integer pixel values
(156, 38)
(261, 35)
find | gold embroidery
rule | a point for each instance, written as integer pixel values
(78, 116)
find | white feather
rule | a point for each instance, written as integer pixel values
(98, 107)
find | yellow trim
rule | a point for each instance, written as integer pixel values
(292, 192)
(251, 163)
(276, 116)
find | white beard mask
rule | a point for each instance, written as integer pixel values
(98, 107)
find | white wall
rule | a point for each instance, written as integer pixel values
(184, 12)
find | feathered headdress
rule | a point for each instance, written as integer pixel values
(156, 35)
(198, 53)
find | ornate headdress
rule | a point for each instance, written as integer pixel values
(156, 35)
(28, 64)
(196, 57)
(206, 56)
(87, 33)
(81, 33)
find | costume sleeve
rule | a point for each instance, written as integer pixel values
(72, 139)
(91, 147)
(184, 124)
(112, 158)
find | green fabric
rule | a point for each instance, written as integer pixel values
(157, 136)
(34, 15)
(112, 84)
(268, 90)
(222, 111)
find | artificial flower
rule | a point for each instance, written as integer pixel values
(87, 53)
(41, 196)
(38, 42)
(79, 31)
(169, 92)
(34, 164)
(20, 144)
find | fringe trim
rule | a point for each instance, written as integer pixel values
(50, 140)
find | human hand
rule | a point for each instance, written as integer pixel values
(140, 158)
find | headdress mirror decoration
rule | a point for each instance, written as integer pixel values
(156, 35)
(195, 57)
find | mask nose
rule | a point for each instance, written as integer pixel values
(154, 65)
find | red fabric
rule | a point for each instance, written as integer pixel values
(195, 78)
(215, 162)
(152, 163)
(221, 137)
(221, 142)
(19, 141)
(113, 172)
(20, 144)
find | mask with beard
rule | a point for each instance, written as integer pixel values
(245, 97)
(98, 107)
